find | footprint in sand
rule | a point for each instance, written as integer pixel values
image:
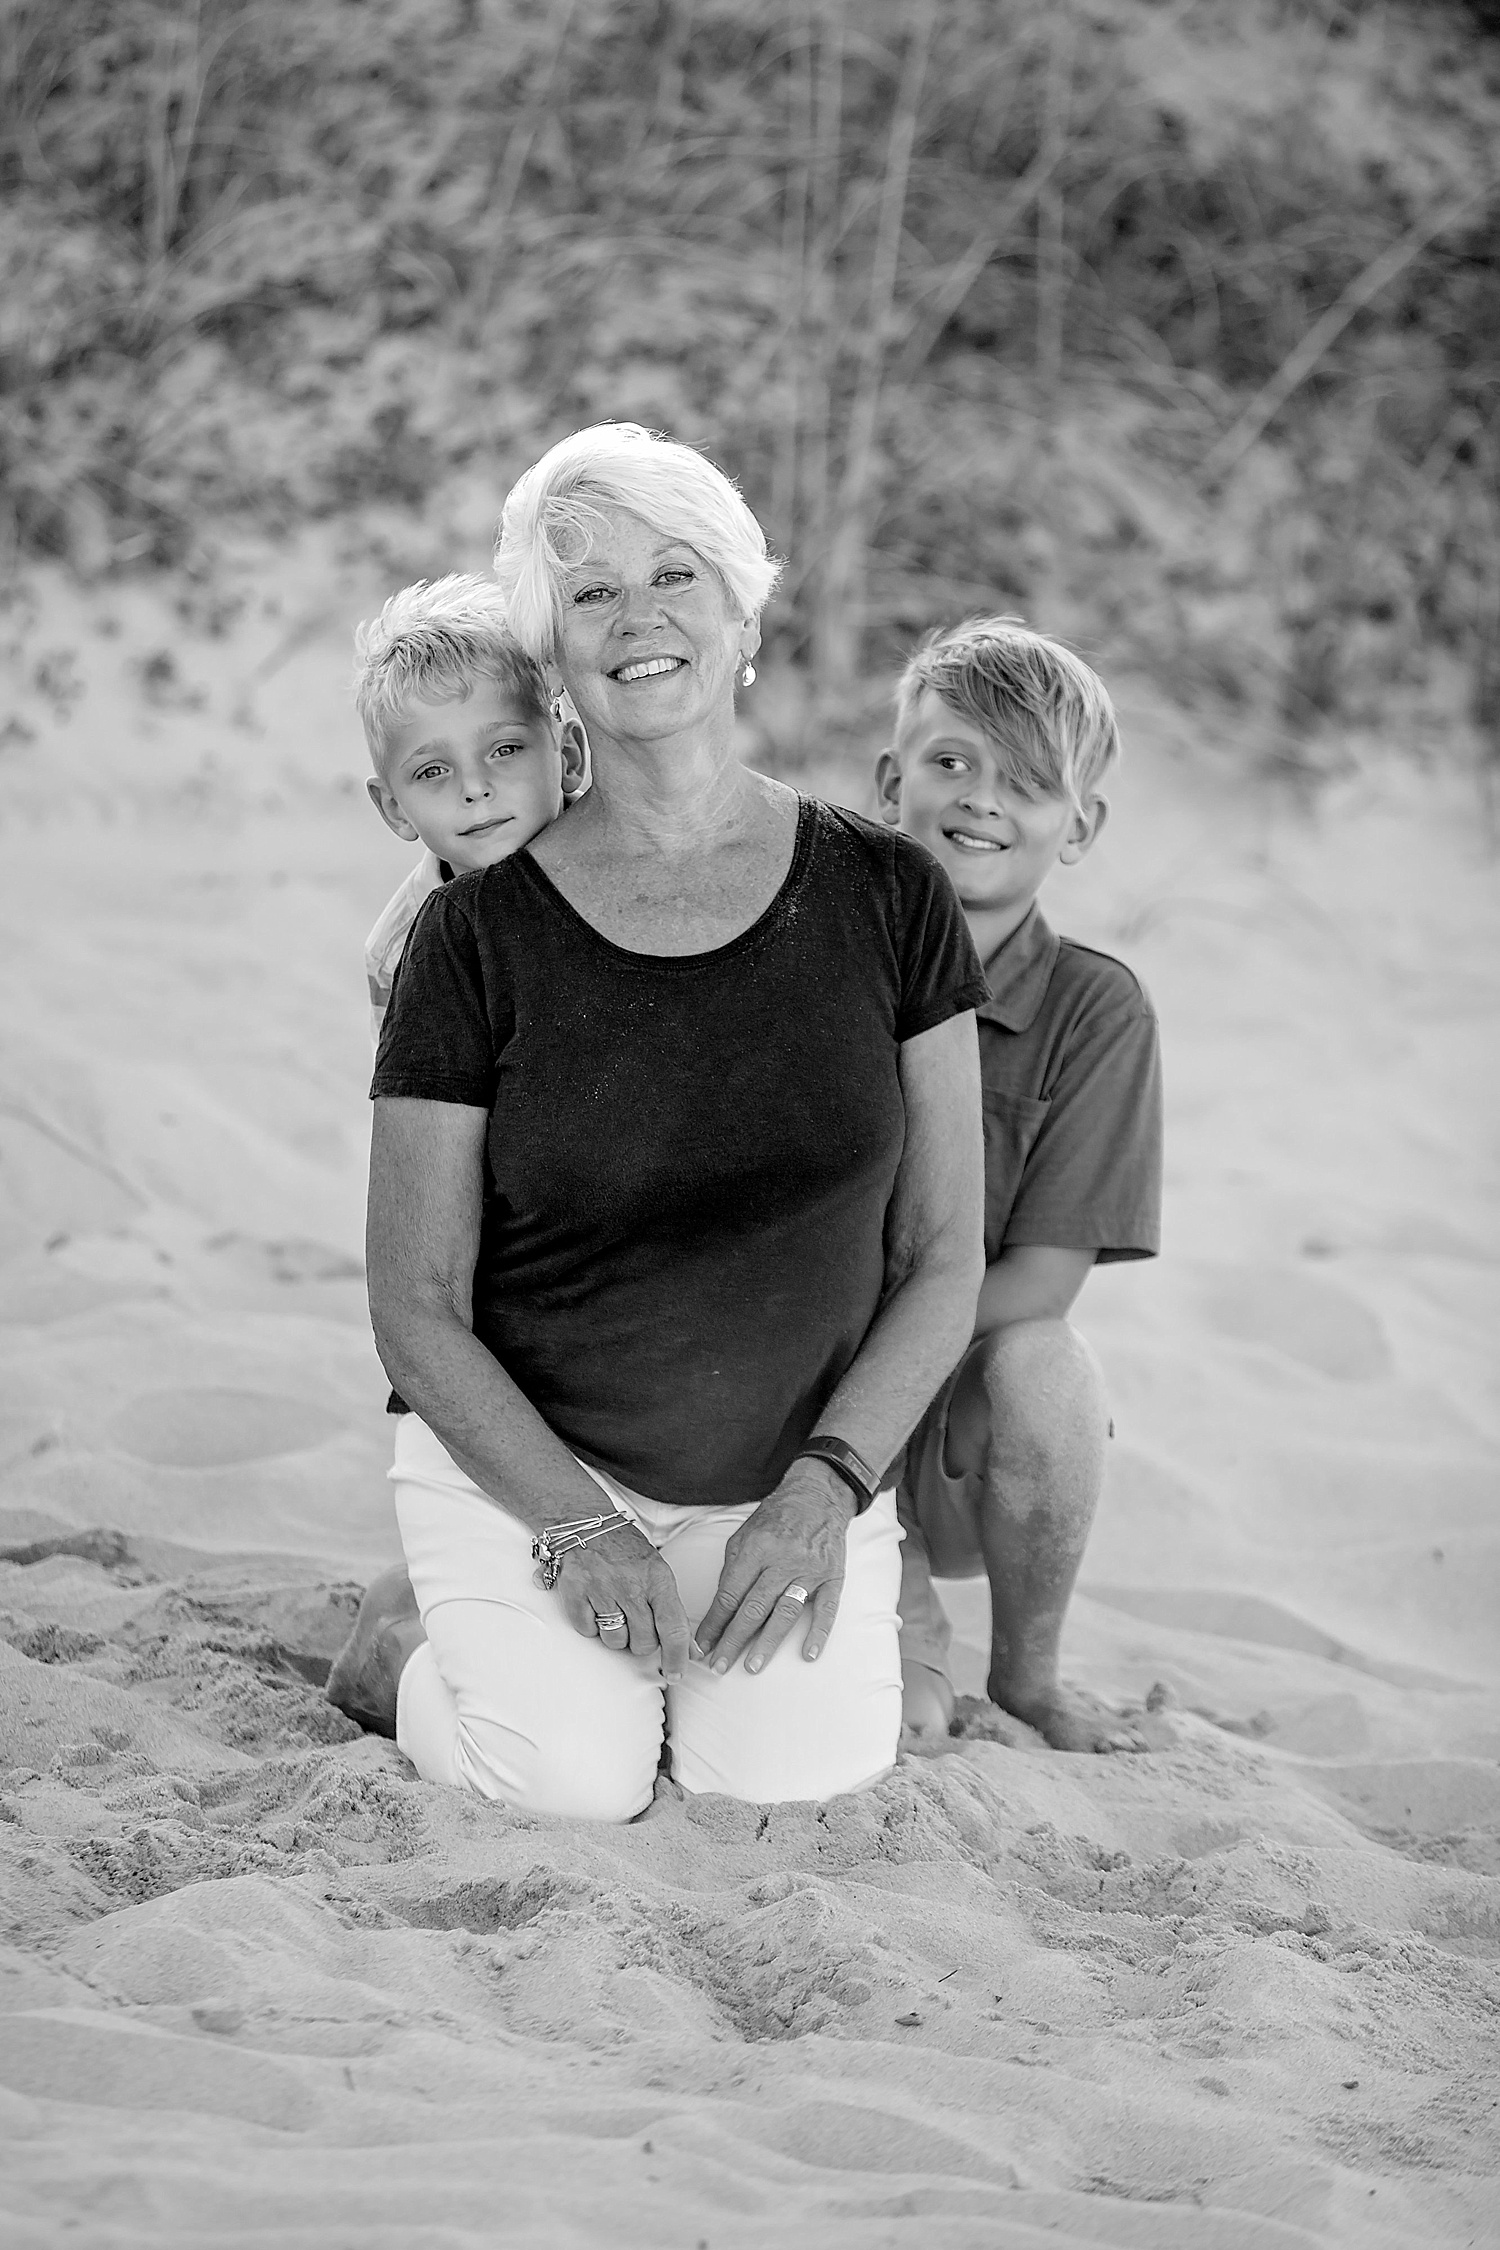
(295, 1260)
(1430, 1795)
(1309, 1320)
(1250, 1617)
(216, 1429)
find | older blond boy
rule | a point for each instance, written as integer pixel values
(1003, 739)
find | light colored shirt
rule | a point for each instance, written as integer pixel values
(387, 941)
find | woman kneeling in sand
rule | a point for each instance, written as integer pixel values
(675, 1209)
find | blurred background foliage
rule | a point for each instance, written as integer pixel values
(1170, 323)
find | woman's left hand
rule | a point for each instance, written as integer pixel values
(784, 1563)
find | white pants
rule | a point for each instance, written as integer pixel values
(508, 1700)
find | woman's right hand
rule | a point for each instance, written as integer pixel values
(624, 1572)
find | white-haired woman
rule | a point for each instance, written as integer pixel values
(675, 1212)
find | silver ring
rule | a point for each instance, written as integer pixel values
(613, 1621)
(797, 1594)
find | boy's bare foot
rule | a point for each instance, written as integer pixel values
(363, 1681)
(1069, 1718)
(926, 1702)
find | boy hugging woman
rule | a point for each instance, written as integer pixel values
(1003, 740)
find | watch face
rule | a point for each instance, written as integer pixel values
(846, 1463)
(851, 1460)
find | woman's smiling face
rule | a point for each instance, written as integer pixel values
(649, 643)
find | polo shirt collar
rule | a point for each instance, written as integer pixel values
(1019, 972)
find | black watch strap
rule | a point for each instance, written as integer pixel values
(846, 1463)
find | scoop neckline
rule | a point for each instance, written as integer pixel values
(785, 891)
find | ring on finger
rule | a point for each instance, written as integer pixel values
(797, 1594)
(611, 1621)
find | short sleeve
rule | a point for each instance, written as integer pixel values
(1092, 1179)
(940, 971)
(437, 1044)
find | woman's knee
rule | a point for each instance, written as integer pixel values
(605, 1773)
(799, 1731)
(755, 1774)
(541, 1719)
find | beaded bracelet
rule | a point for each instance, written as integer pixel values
(555, 1540)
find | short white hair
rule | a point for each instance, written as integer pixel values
(430, 643)
(552, 515)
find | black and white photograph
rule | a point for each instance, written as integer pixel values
(750, 1124)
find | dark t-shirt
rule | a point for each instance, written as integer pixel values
(689, 1157)
(1071, 1070)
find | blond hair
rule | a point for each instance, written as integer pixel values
(1047, 713)
(552, 516)
(432, 641)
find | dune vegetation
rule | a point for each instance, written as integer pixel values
(1172, 324)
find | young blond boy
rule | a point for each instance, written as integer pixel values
(473, 758)
(472, 755)
(1003, 738)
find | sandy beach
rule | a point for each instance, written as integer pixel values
(259, 1983)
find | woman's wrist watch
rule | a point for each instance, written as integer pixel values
(846, 1464)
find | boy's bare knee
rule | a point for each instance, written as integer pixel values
(1042, 1383)
(1016, 1360)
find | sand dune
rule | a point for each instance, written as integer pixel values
(258, 1983)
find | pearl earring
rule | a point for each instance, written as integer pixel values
(747, 677)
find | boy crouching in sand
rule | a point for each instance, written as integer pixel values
(472, 756)
(472, 759)
(1002, 740)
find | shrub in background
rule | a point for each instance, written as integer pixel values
(969, 293)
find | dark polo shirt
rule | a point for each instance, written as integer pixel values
(1071, 1069)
